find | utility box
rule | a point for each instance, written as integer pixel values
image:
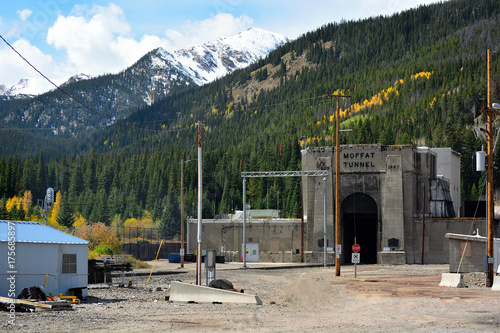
(252, 252)
(210, 260)
(480, 161)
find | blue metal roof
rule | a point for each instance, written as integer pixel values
(34, 232)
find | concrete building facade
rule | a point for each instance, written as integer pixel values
(396, 202)
(382, 191)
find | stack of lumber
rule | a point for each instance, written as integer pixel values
(26, 305)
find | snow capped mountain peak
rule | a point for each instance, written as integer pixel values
(215, 59)
(26, 88)
(255, 39)
(78, 77)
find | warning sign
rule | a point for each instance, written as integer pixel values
(355, 258)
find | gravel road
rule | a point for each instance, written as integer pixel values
(305, 299)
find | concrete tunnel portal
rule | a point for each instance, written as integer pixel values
(359, 217)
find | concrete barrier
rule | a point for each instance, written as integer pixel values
(496, 283)
(455, 280)
(185, 292)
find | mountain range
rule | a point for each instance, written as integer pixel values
(152, 77)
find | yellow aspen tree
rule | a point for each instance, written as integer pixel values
(54, 211)
(13, 202)
(27, 200)
(80, 221)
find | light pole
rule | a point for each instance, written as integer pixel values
(244, 249)
(182, 209)
(200, 193)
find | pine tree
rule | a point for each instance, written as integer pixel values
(41, 177)
(4, 214)
(65, 216)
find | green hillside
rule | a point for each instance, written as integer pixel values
(418, 77)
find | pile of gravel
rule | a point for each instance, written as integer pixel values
(476, 279)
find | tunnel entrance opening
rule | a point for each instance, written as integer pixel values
(360, 223)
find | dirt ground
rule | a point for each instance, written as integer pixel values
(304, 299)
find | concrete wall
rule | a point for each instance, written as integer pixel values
(436, 245)
(279, 239)
(466, 253)
(34, 260)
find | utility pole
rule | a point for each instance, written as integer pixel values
(490, 114)
(200, 188)
(338, 243)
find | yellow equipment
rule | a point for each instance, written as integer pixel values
(74, 299)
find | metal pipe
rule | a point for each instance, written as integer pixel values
(182, 214)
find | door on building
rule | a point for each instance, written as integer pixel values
(359, 216)
(252, 252)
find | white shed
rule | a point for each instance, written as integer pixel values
(30, 250)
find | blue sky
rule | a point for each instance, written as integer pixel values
(66, 37)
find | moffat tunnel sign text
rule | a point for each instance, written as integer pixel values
(359, 160)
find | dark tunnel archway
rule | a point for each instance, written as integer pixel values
(360, 221)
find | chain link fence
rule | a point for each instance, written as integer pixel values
(144, 243)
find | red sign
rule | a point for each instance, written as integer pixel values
(356, 248)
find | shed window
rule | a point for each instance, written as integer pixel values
(69, 263)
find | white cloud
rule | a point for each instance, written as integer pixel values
(100, 44)
(99, 40)
(24, 14)
(198, 32)
(13, 68)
